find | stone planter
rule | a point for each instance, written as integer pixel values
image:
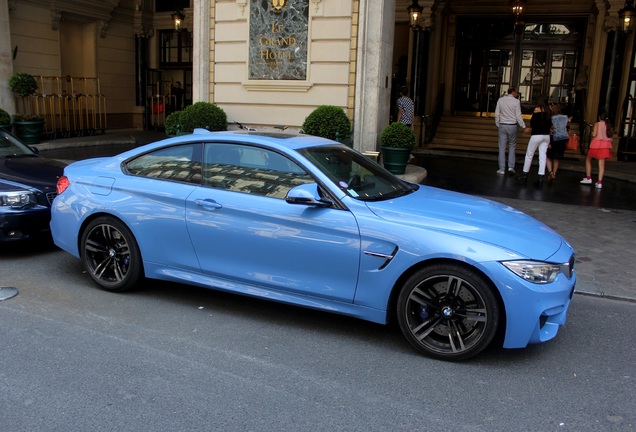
(395, 159)
(30, 132)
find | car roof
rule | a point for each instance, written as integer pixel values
(287, 140)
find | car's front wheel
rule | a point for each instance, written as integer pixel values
(111, 255)
(448, 311)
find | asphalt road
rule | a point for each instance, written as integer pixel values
(175, 358)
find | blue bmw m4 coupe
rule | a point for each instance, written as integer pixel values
(307, 221)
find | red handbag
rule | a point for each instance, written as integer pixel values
(573, 143)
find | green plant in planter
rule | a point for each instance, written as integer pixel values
(173, 123)
(398, 135)
(28, 127)
(5, 118)
(397, 141)
(21, 118)
(203, 115)
(328, 121)
(23, 84)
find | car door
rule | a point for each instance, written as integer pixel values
(156, 189)
(244, 231)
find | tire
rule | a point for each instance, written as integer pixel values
(448, 312)
(110, 255)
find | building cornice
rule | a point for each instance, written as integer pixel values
(88, 10)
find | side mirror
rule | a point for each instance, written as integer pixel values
(307, 194)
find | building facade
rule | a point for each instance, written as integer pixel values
(270, 63)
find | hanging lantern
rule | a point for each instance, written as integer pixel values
(518, 10)
(415, 13)
(627, 15)
(177, 18)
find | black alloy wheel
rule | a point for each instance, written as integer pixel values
(110, 255)
(448, 312)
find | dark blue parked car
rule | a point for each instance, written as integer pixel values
(27, 189)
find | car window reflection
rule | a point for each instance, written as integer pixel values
(178, 163)
(252, 170)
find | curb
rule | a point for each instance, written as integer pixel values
(102, 140)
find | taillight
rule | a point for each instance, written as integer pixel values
(62, 184)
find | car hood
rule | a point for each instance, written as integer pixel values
(471, 217)
(33, 171)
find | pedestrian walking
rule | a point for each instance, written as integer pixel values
(405, 107)
(507, 118)
(600, 149)
(539, 130)
(558, 141)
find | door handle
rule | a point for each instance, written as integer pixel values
(208, 204)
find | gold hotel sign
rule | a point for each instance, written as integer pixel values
(278, 39)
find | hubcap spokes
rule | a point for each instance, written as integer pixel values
(446, 314)
(108, 254)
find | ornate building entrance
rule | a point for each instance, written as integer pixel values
(542, 60)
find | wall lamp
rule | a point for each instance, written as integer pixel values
(415, 13)
(177, 18)
(518, 10)
(627, 15)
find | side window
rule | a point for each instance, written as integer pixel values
(180, 163)
(252, 170)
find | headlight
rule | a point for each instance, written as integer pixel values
(17, 199)
(534, 271)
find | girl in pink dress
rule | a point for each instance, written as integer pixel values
(600, 149)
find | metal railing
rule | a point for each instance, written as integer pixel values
(71, 106)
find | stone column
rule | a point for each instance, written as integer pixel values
(201, 85)
(373, 73)
(7, 101)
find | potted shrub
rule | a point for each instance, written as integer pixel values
(5, 120)
(329, 121)
(204, 115)
(397, 141)
(173, 124)
(28, 127)
(23, 84)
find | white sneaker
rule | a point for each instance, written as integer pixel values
(586, 181)
(599, 185)
(511, 171)
(501, 172)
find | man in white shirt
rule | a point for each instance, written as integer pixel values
(507, 118)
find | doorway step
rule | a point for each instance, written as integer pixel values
(478, 135)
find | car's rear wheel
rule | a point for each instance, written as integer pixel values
(448, 312)
(111, 255)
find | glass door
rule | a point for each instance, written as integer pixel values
(549, 73)
(533, 75)
(486, 75)
(542, 61)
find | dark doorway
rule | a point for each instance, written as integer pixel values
(540, 61)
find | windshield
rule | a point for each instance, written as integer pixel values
(356, 174)
(10, 146)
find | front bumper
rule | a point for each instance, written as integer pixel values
(24, 224)
(534, 312)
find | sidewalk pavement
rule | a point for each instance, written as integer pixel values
(603, 238)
